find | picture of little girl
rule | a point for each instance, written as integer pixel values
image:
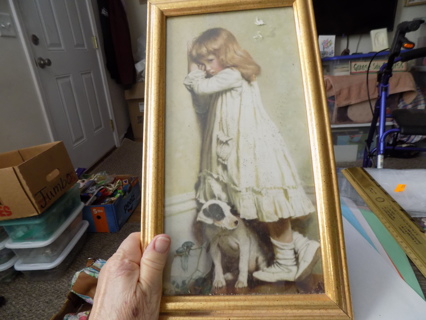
(244, 159)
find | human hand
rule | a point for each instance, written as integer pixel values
(130, 284)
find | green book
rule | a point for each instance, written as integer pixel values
(393, 249)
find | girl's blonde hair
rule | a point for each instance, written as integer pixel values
(223, 44)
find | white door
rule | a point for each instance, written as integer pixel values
(61, 42)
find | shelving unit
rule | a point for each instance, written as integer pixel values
(354, 125)
(348, 138)
(340, 65)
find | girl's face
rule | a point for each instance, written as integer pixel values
(211, 64)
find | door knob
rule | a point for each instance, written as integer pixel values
(42, 63)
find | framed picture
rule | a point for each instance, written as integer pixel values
(409, 3)
(238, 166)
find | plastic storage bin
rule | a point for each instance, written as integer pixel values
(55, 269)
(49, 250)
(348, 142)
(7, 271)
(41, 227)
(5, 253)
(3, 234)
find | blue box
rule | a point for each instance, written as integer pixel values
(111, 217)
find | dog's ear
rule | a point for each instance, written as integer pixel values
(203, 216)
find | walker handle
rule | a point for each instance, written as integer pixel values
(413, 54)
(401, 30)
(398, 40)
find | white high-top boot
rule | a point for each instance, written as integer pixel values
(307, 253)
(284, 267)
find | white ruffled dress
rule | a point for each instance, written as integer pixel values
(244, 160)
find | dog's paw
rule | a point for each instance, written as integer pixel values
(241, 284)
(219, 283)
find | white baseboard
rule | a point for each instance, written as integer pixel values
(179, 204)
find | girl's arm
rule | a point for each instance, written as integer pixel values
(226, 79)
(200, 102)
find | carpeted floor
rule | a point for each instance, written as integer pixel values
(34, 300)
(30, 300)
(125, 160)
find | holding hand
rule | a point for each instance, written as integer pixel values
(130, 284)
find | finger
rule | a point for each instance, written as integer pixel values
(153, 261)
(130, 248)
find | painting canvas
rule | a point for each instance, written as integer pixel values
(232, 157)
(237, 142)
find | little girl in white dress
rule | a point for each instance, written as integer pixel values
(244, 160)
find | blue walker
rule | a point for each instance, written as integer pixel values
(409, 121)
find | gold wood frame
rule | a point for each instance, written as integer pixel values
(335, 302)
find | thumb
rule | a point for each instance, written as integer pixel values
(153, 261)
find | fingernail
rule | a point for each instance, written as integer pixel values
(162, 244)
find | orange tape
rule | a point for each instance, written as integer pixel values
(400, 188)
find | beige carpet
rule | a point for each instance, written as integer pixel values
(34, 300)
(125, 160)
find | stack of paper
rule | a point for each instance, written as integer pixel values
(383, 284)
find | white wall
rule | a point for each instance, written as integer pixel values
(22, 121)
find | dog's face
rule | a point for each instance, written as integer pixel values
(218, 213)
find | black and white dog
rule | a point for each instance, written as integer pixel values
(229, 237)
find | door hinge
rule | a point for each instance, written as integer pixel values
(111, 123)
(95, 42)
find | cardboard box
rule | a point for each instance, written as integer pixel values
(32, 179)
(135, 102)
(111, 217)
